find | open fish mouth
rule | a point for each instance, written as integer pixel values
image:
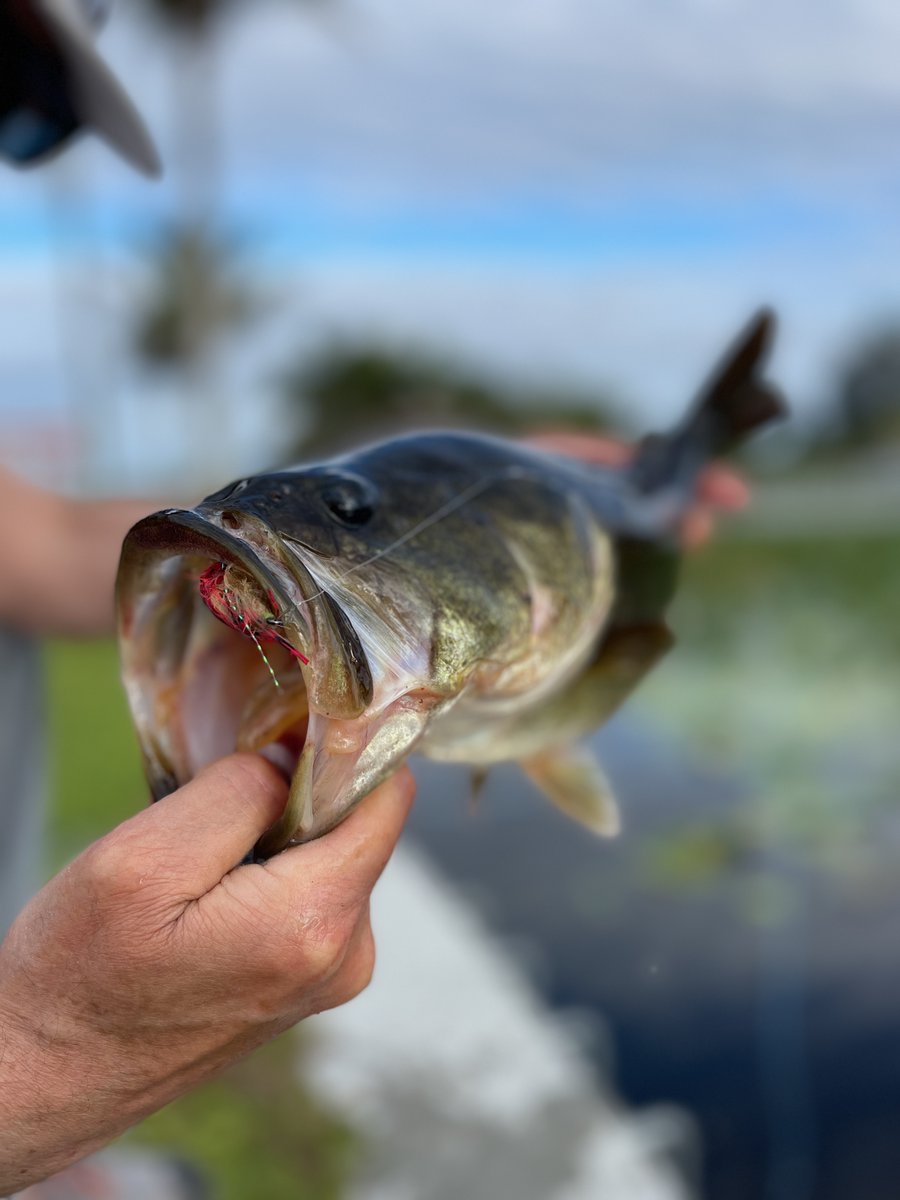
(229, 643)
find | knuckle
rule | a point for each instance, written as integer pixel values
(322, 958)
(126, 884)
(105, 862)
(322, 946)
(363, 966)
(355, 975)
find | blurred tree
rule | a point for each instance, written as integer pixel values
(199, 299)
(869, 392)
(197, 296)
(350, 393)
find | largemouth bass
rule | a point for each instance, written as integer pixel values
(474, 599)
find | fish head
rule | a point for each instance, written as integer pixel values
(265, 620)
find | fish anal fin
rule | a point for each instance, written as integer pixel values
(572, 778)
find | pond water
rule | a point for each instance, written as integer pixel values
(745, 979)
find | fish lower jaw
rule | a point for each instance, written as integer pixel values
(321, 779)
(339, 764)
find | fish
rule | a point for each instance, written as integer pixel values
(474, 599)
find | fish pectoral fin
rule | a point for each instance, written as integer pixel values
(572, 778)
(625, 656)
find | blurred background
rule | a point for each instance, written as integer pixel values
(529, 215)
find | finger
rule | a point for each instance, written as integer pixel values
(207, 827)
(723, 488)
(357, 851)
(586, 446)
(719, 485)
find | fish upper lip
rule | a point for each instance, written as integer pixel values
(185, 531)
(339, 676)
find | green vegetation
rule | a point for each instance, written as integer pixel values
(867, 408)
(786, 675)
(198, 299)
(95, 771)
(256, 1131)
(858, 576)
(353, 393)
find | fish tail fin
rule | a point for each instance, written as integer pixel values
(733, 404)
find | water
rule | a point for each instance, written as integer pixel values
(745, 983)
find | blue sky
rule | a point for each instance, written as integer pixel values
(581, 188)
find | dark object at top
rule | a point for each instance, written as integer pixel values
(53, 84)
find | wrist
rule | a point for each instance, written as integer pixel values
(52, 1111)
(29, 1151)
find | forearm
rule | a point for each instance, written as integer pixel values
(59, 559)
(60, 1103)
(45, 1120)
(87, 557)
(65, 1095)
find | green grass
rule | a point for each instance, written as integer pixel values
(857, 577)
(95, 773)
(785, 675)
(256, 1131)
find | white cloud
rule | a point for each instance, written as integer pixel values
(646, 334)
(385, 102)
(581, 97)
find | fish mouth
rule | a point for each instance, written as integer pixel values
(228, 643)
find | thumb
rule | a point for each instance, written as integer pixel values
(357, 850)
(207, 827)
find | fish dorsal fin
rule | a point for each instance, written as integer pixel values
(572, 778)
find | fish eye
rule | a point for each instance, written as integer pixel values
(349, 498)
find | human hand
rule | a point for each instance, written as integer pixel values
(153, 961)
(720, 488)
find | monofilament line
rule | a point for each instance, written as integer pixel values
(226, 592)
(473, 490)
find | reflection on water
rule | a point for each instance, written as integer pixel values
(740, 935)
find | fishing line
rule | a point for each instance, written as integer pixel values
(242, 616)
(469, 493)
